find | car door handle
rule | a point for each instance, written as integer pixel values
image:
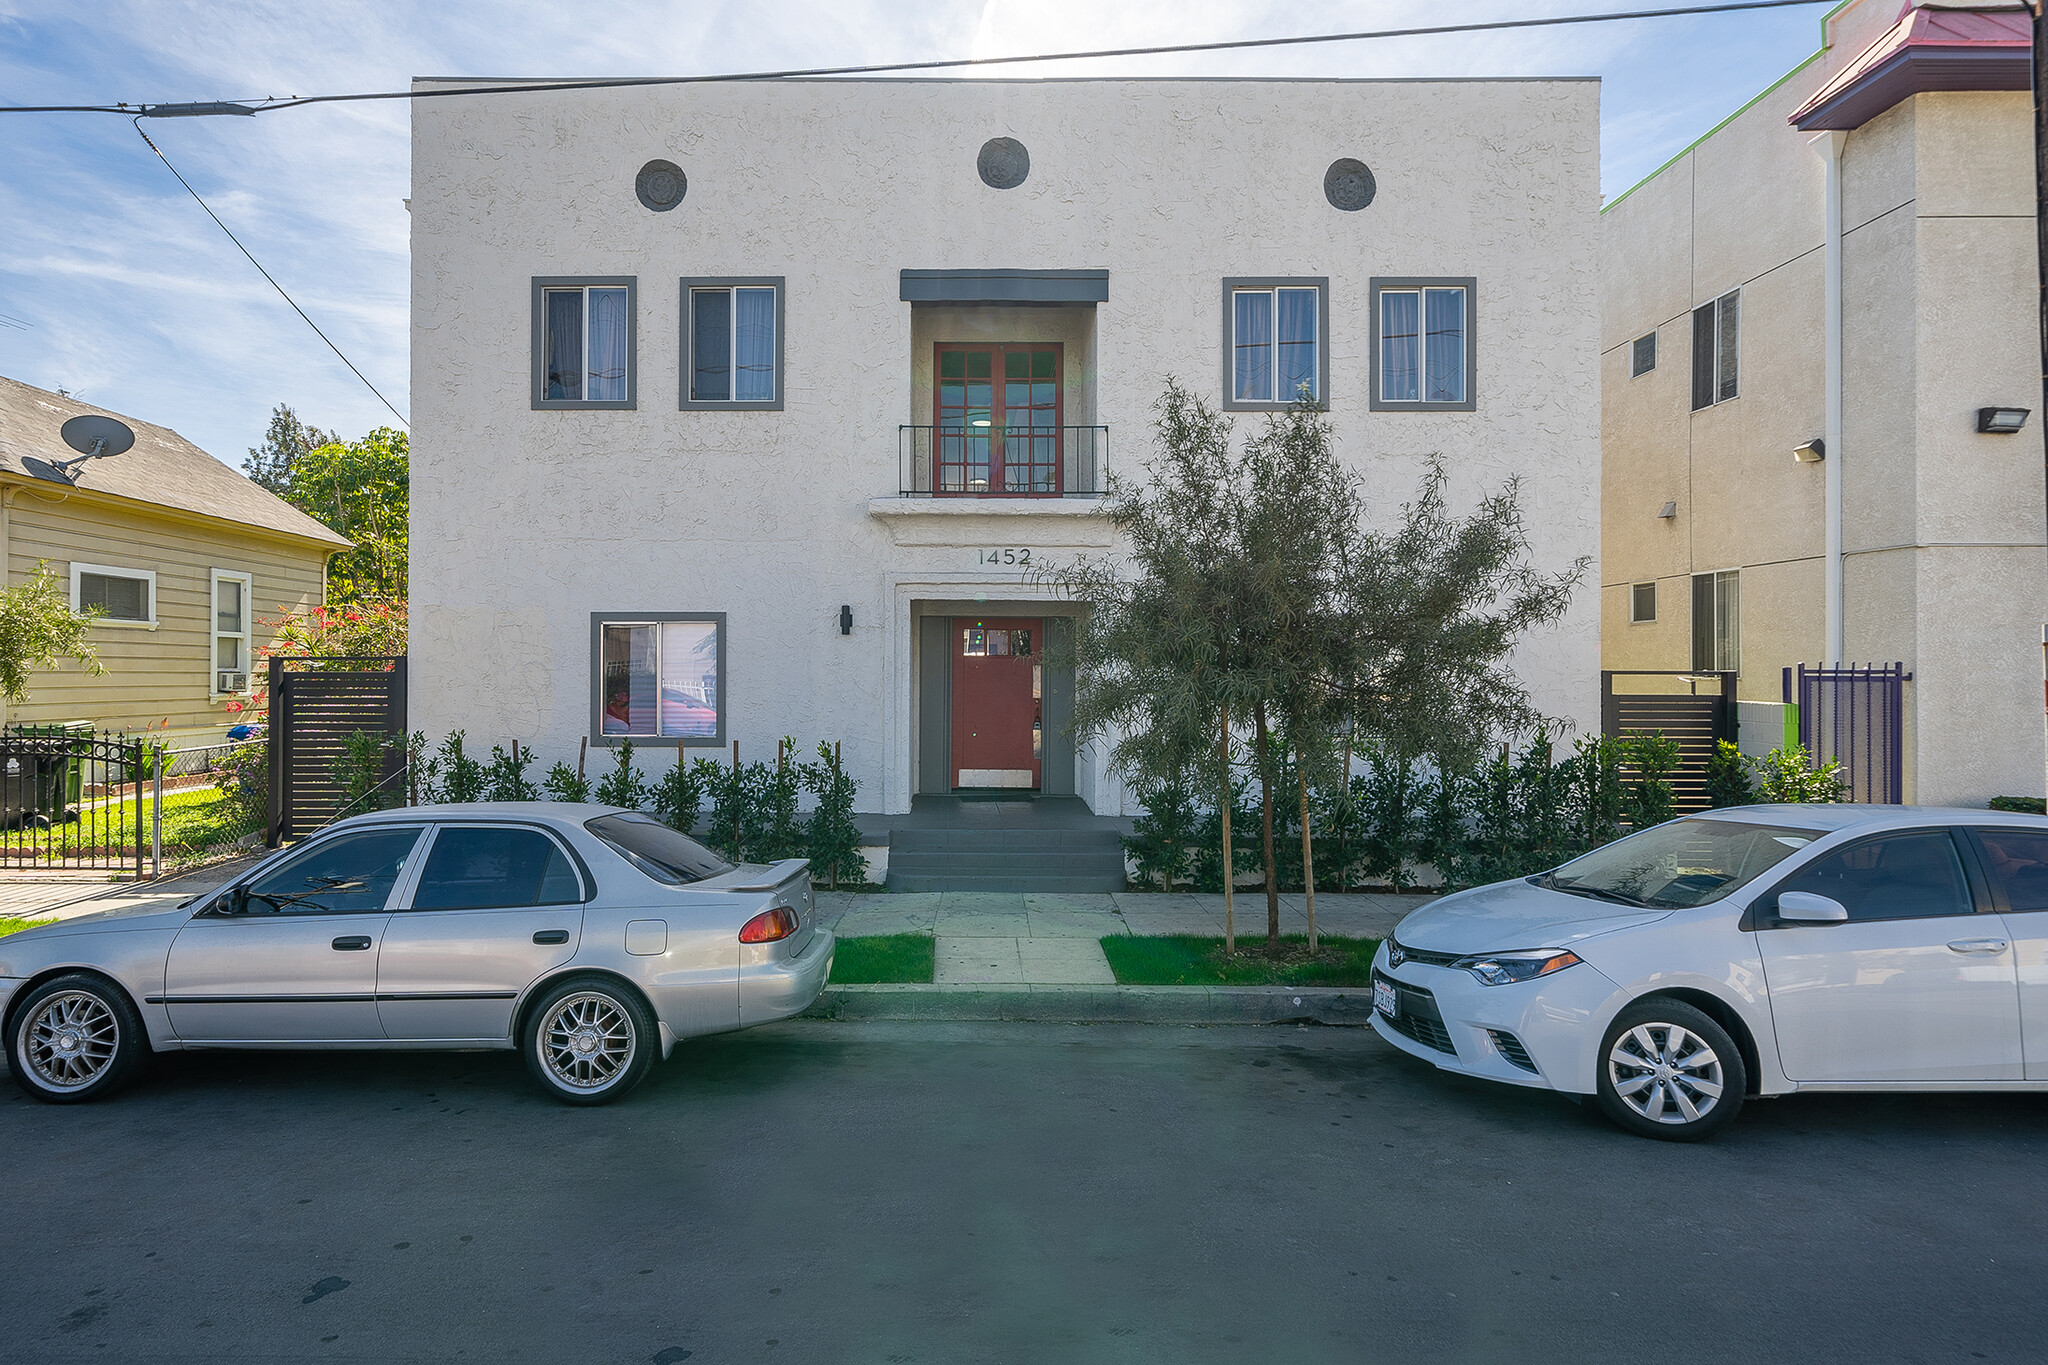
(352, 943)
(552, 936)
(1977, 945)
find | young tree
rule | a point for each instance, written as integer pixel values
(1253, 586)
(37, 628)
(273, 463)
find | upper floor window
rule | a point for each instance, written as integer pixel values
(657, 675)
(231, 592)
(1716, 346)
(124, 597)
(1645, 358)
(583, 342)
(732, 343)
(1717, 622)
(1423, 352)
(1276, 342)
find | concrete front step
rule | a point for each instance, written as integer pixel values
(1049, 860)
(1343, 1005)
(1042, 882)
(1003, 840)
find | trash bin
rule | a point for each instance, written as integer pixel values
(32, 785)
(59, 777)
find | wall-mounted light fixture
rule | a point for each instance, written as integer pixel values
(1812, 452)
(2002, 421)
(846, 620)
(1669, 510)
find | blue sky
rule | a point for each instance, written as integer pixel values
(114, 285)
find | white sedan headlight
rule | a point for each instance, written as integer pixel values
(1503, 969)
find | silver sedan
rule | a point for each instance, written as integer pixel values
(589, 938)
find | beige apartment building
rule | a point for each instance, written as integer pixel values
(1810, 319)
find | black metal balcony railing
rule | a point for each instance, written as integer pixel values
(1004, 462)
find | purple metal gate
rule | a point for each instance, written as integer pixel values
(1858, 716)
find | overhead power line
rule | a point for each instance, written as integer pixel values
(212, 107)
(272, 278)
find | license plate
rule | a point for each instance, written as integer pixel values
(1386, 999)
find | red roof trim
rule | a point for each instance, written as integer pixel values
(1928, 49)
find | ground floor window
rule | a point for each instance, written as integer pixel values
(1717, 622)
(659, 676)
(122, 596)
(1642, 602)
(231, 592)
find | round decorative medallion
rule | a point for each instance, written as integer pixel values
(661, 185)
(1003, 163)
(1348, 185)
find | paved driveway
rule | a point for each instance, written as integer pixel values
(817, 1192)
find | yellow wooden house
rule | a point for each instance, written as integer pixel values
(187, 560)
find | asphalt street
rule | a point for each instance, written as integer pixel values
(1031, 1193)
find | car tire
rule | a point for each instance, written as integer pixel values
(589, 1040)
(1668, 1071)
(75, 1038)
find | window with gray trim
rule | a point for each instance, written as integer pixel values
(657, 676)
(583, 341)
(1716, 350)
(1276, 341)
(1424, 344)
(732, 343)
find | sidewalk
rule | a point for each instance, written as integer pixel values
(1018, 956)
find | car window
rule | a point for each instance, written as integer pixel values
(496, 866)
(1680, 863)
(660, 852)
(2019, 859)
(1911, 875)
(349, 873)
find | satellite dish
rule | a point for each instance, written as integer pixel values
(94, 437)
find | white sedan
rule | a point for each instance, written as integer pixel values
(1747, 952)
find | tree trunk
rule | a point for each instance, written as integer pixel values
(1308, 859)
(1229, 893)
(1266, 820)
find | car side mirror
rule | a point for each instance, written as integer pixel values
(235, 902)
(1803, 907)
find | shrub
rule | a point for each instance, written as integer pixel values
(360, 770)
(1788, 775)
(1244, 835)
(1389, 797)
(2023, 805)
(623, 785)
(1653, 758)
(243, 777)
(564, 783)
(1162, 841)
(505, 778)
(781, 789)
(679, 795)
(1728, 779)
(737, 825)
(454, 776)
(832, 839)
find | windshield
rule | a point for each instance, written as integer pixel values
(1685, 862)
(657, 850)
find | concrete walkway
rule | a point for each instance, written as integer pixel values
(1002, 938)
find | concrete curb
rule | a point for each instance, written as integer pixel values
(1343, 1005)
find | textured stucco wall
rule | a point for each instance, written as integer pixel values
(525, 522)
(1943, 528)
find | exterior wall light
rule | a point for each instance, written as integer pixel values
(1813, 452)
(1669, 510)
(2002, 421)
(846, 620)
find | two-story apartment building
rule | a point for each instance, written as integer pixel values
(746, 409)
(1810, 319)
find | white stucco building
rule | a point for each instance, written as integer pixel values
(1908, 528)
(740, 409)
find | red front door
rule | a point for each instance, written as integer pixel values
(997, 736)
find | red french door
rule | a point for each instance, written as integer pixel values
(998, 729)
(998, 416)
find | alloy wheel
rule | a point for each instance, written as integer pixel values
(586, 1041)
(70, 1040)
(1665, 1073)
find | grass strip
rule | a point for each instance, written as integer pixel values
(1194, 960)
(877, 959)
(10, 925)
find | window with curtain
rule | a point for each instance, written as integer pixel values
(1423, 344)
(732, 332)
(659, 678)
(1275, 342)
(584, 339)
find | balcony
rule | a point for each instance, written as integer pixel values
(1003, 461)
